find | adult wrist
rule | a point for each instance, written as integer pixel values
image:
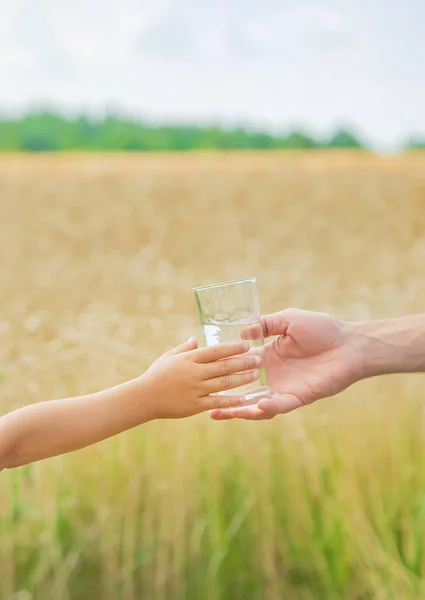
(389, 346)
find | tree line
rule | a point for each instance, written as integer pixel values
(47, 131)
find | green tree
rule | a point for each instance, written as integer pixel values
(344, 139)
(416, 144)
(298, 140)
(41, 131)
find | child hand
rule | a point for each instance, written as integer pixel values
(181, 381)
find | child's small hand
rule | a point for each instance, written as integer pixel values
(182, 380)
(177, 385)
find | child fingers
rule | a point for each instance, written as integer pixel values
(190, 344)
(213, 353)
(222, 402)
(228, 366)
(229, 382)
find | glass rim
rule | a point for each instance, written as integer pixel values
(224, 284)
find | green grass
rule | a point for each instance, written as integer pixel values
(294, 509)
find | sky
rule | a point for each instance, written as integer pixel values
(269, 64)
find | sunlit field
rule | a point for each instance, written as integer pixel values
(98, 258)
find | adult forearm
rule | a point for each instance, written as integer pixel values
(390, 346)
(51, 428)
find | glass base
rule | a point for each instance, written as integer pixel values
(252, 397)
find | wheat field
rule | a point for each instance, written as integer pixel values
(99, 255)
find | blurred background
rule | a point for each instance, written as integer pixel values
(149, 147)
(307, 68)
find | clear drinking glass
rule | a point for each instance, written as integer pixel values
(227, 309)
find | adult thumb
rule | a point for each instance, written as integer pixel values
(277, 323)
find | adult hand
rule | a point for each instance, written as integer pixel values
(315, 356)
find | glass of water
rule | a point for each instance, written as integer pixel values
(225, 311)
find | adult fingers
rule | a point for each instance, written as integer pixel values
(266, 408)
(280, 403)
(254, 332)
(249, 413)
(274, 324)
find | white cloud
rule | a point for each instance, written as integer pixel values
(13, 55)
(274, 63)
